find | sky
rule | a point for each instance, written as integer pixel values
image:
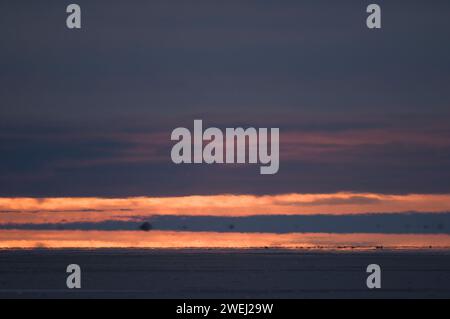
(87, 114)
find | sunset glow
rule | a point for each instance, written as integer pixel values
(179, 240)
(58, 212)
(95, 209)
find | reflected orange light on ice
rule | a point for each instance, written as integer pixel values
(179, 240)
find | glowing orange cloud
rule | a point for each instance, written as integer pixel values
(60, 210)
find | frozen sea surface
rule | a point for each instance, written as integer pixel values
(121, 273)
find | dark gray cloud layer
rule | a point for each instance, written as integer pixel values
(68, 97)
(404, 223)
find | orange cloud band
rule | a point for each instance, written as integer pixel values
(56, 210)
